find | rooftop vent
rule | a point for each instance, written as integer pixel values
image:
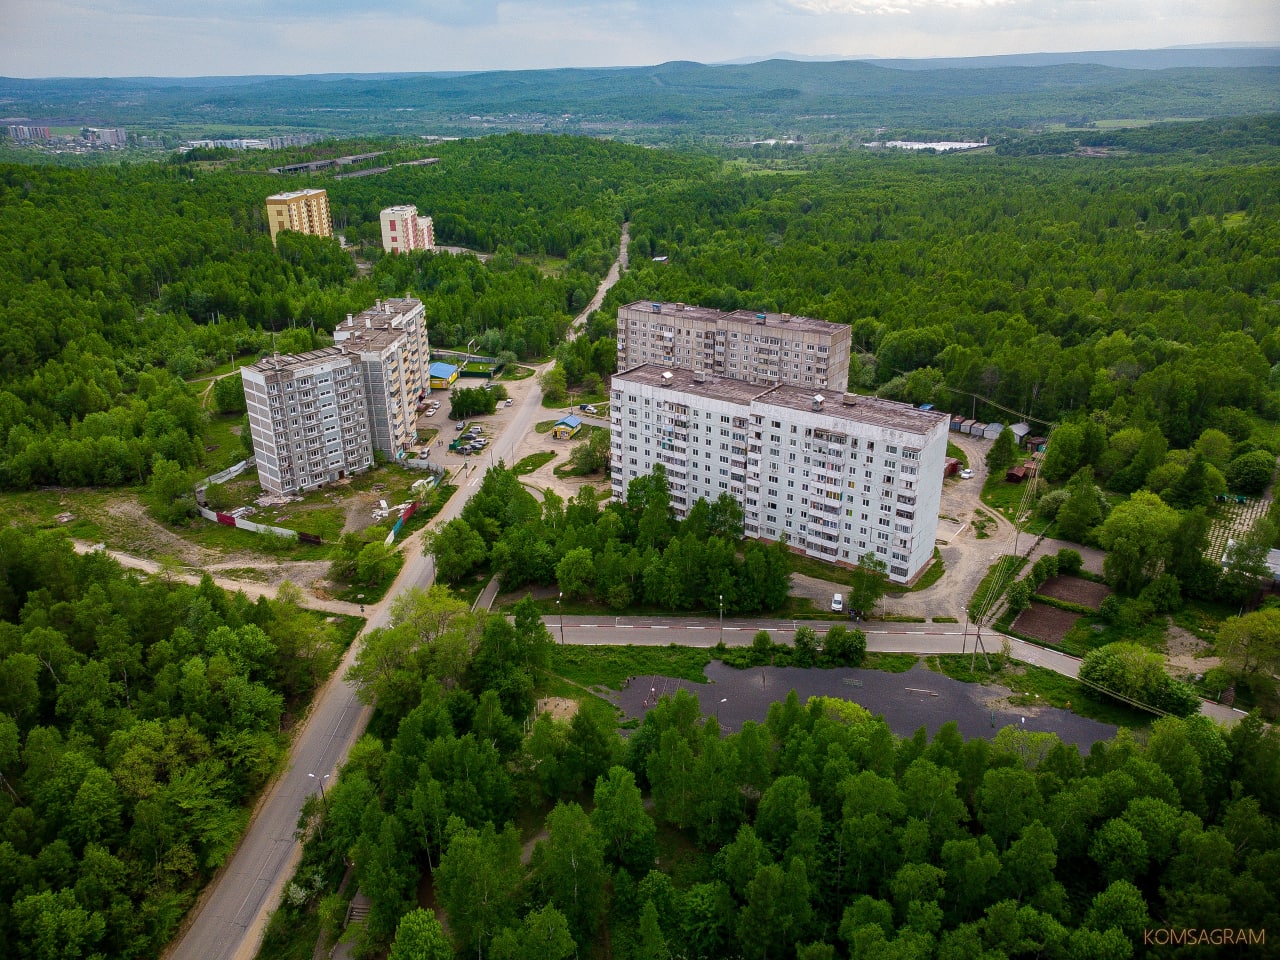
(666, 375)
(679, 306)
(786, 317)
(656, 307)
(817, 401)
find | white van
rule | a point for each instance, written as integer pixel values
(837, 603)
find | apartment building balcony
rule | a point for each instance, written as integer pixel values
(905, 514)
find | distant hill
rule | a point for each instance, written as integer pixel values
(684, 100)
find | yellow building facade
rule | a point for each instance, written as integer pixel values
(305, 211)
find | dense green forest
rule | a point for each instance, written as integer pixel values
(817, 834)
(138, 719)
(116, 283)
(617, 553)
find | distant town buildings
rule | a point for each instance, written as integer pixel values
(23, 134)
(105, 136)
(759, 348)
(305, 211)
(403, 230)
(256, 143)
(837, 475)
(317, 417)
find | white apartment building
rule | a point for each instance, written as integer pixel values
(308, 419)
(316, 417)
(391, 341)
(837, 475)
(403, 230)
(756, 347)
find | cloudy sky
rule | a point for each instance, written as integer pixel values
(41, 38)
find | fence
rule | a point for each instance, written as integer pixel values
(229, 520)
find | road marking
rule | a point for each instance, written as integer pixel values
(695, 628)
(654, 626)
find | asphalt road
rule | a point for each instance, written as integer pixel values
(229, 920)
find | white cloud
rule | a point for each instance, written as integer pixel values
(847, 7)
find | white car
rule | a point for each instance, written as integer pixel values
(509, 402)
(837, 603)
(966, 474)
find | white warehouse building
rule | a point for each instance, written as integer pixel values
(838, 476)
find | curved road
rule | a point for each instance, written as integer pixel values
(228, 921)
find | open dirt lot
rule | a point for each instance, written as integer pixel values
(1045, 623)
(1074, 590)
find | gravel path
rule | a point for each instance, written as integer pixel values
(907, 701)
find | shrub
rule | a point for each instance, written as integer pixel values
(1069, 562)
(1251, 472)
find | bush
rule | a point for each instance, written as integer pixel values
(1069, 562)
(844, 647)
(1052, 502)
(1127, 670)
(1250, 473)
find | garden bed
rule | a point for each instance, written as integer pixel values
(1044, 623)
(1074, 590)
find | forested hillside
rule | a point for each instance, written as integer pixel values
(681, 101)
(137, 719)
(116, 283)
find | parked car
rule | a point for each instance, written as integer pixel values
(837, 603)
(966, 474)
(480, 444)
(460, 425)
(508, 402)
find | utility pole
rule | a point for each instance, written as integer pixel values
(722, 618)
(560, 610)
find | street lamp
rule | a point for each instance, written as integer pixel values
(321, 780)
(324, 804)
(560, 610)
(722, 618)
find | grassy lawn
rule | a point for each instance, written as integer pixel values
(428, 435)
(1006, 497)
(533, 462)
(516, 372)
(39, 509)
(818, 569)
(611, 666)
(1032, 685)
(222, 442)
(890, 662)
(544, 426)
(1005, 568)
(957, 453)
(223, 539)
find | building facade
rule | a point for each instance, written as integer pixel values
(317, 417)
(760, 348)
(308, 419)
(304, 211)
(391, 341)
(837, 476)
(403, 230)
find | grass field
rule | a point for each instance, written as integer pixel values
(611, 666)
(533, 462)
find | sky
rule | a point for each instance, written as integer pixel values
(113, 38)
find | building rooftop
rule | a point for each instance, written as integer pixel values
(381, 316)
(686, 381)
(570, 421)
(751, 317)
(442, 370)
(846, 406)
(293, 194)
(375, 339)
(295, 362)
